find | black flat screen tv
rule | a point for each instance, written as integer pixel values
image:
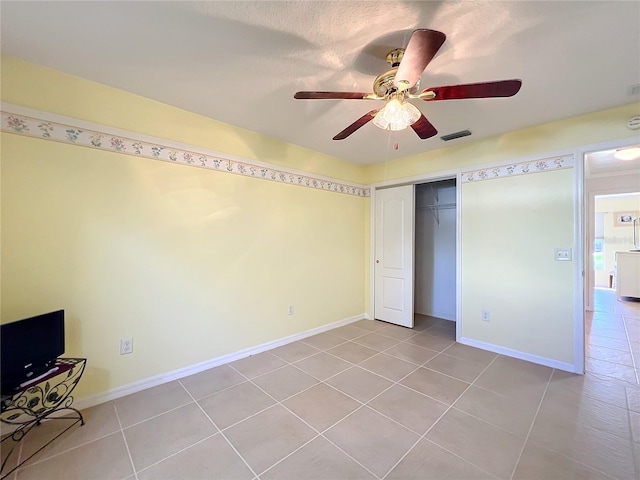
(29, 348)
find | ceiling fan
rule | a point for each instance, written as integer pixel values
(402, 81)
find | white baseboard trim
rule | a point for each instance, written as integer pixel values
(547, 362)
(115, 393)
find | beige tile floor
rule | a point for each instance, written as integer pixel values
(373, 400)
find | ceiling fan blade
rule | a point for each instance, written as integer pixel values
(422, 47)
(423, 128)
(330, 95)
(363, 120)
(503, 88)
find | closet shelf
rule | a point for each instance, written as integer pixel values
(437, 206)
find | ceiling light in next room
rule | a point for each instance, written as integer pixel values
(631, 153)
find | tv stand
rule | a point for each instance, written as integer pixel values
(41, 398)
(33, 380)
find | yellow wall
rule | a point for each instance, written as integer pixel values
(510, 227)
(191, 263)
(42, 88)
(539, 140)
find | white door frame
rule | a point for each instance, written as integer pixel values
(426, 178)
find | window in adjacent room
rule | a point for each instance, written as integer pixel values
(598, 246)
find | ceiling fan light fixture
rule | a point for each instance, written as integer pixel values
(627, 153)
(396, 115)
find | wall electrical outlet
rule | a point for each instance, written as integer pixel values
(562, 254)
(126, 346)
(486, 316)
(291, 310)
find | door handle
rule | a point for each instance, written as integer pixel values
(377, 261)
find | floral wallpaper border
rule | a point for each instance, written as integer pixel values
(130, 145)
(521, 168)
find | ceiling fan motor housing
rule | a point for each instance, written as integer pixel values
(394, 57)
(383, 84)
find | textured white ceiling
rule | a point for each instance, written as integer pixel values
(241, 62)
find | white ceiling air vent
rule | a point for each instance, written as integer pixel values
(634, 123)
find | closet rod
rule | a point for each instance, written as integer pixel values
(440, 206)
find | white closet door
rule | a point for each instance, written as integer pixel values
(393, 277)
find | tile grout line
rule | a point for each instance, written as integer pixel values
(463, 459)
(636, 460)
(626, 387)
(345, 452)
(177, 452)
(318, 434)
(156, 415)
(126, 444)
(220, 432)
(627, 341)
(417, 366)
(62, 452)
(533, 421)
(394, 383)
(67, 450)
(321, 435)
(449, 407)
(378, 352)
(323, 349)
(564, 455)
(288, 455)
(285, 399)
(609, 346)
(14, 474)
(435, 423)
(633, 360)
(405, 340)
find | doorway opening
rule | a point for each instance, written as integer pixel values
(613, 233)
(435, 250)
(612, 291)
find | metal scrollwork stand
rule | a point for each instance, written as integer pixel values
(40, 400)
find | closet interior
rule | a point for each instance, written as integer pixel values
(435, 249)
